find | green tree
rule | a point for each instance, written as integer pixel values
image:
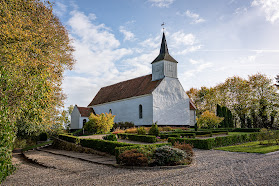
(99, 123)
(34, 52)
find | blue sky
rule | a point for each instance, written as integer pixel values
(116, 40)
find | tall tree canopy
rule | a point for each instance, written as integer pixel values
(35, 50)
(254, 102)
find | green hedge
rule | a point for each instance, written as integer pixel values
(196, 143)
(218, 141)
(135, 137)
(246, 130)
(69, 138)
(188, 135)
(166, 136)
(103, 145)
(119, 150)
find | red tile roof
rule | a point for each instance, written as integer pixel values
(192, 105)
(126, 89)
(85, 112)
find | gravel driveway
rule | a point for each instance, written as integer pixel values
(212, 167)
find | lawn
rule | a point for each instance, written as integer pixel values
(251, 147)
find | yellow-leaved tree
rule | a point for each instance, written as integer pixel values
(99, 123)
(35, 51)
(209, 120)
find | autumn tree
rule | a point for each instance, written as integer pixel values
(209, 120)
(99, 123)
(35, 50)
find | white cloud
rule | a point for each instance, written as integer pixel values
(60, 8)
(199, 66)
(270, 8)
(92, 16)
(128, 35)
(240, 10)
(180, 38)
(161, 3)
(195, 17)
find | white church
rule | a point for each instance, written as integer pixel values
(157, 97)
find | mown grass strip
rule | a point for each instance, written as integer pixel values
(251, 147)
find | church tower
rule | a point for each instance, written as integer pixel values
(164, 65)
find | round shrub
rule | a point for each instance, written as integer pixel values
(111, 137)
(166, 155)
(43, 136)
(133, 158)
(154, 130)
(141, 131)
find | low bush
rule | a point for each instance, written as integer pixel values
(141, 138)
(69, 138)
(169, 156)
(165, 128)
(123, 125)
(102, 145)
(141, 131)
(185, 147)
(166, 136)
(147, 150)
(196, 143)
(154, 130)
(78, 132)
(246, 130)
(188, 135)
(110, 137)
(43, 136)
(131, 130)
(133, 158)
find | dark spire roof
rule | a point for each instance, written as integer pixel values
(164, 52)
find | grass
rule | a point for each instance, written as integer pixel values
(251, 147)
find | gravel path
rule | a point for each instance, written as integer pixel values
(212, 167)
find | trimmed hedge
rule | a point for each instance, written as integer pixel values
(196, 143)
(218, 141)
(246, 130)
(166, 136)
(141, 138)
(103, 145)
(119, 150)
(188, 135)
(69, 138)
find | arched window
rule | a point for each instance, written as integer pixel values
(84, 121)
(110, 111)
(140, 111)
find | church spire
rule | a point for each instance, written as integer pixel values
(164, 52)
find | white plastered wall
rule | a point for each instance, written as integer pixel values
(81, 121)
(171, 103)
(75, 119)
(128, 110)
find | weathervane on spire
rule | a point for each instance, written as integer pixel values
(163, 25)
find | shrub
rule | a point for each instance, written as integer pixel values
(196, 143)
(78, 132)
(147, 150)
(188, 135)
(43, 136)
(69, 138)
(154, 130)
(165, 128)
(166, 155)
(185, 147)
(123, 125)
(135, 137)
(246, 130)
(209, 120)
(166, 136)
(141, 131)
(103, 145)
(111, 137)
(99, 123)
(133, 158)
(131, 130)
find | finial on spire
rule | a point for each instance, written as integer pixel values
(163, 25)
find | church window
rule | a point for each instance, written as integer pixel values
(110, 111)
(140, 111)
